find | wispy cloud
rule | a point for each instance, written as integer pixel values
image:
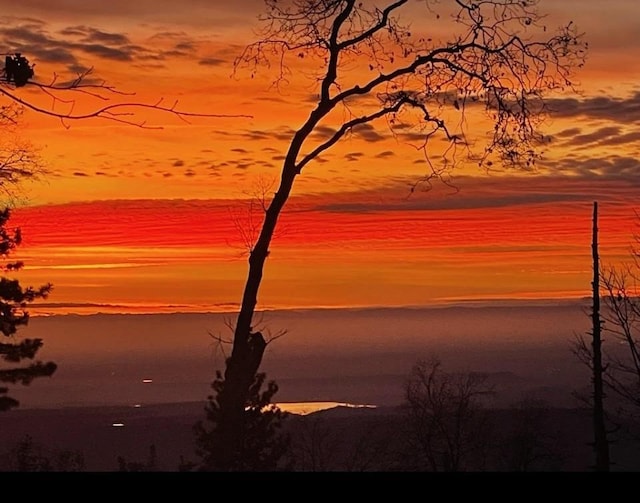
(94, 36)
(622, 110)
(187, 13)
(353, 156)
(212, 61)
(368, 133)
(67, 46)
(613, 167)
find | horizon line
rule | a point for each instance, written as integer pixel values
(89, 309)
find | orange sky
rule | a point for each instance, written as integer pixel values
(151, 218)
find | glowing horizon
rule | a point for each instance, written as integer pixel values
(152, 218)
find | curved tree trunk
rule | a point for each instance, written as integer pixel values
(248, 346)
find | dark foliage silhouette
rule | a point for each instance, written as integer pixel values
(150, 465)
(14, 300)
(17, 70)
(263, 444)
(27, 455)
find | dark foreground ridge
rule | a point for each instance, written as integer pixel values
(160, 438)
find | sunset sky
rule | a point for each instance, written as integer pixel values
(132, 219)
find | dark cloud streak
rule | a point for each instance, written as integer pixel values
(65, 46)
(618, 109)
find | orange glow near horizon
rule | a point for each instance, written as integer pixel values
(133, 219)
(371, 251)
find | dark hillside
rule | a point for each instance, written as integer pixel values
(338, 439)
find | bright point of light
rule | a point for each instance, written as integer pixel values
(118, 425)
(137, 406)
(146, 381)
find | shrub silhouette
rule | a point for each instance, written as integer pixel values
(263, 443)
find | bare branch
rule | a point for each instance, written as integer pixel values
(334, 51)
(115, 112)
(122, 112)
(490, 62)
(347, 126)
(19, 160)
(380, 25)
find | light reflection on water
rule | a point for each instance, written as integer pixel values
(304, 408)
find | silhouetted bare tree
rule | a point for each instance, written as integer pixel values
(370, 66)
(591, 354)
(621, 321)
(315, 447)
(323, 444)
(447, 425)
(19, 160)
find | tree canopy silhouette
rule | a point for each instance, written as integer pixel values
(14, 300)
(17, 69)
(365, 65)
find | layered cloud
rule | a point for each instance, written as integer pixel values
(192, 13)
(618, 109)
(34, 39)
(492, 237)
(318, 218)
